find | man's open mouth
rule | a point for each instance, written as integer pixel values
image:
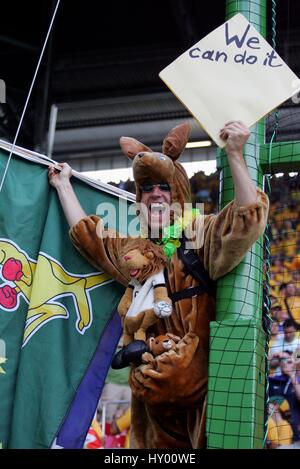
(157, 208)
(134, 272)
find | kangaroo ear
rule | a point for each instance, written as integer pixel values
(176, 140)
(131, 147)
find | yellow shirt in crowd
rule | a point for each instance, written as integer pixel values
(279, 433)
(123, 423)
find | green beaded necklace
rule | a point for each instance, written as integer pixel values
(171, 234)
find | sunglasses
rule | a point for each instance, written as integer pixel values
(149, 187)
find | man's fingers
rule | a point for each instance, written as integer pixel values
(223, 135)
(62, 169)
(232, 131)
(58, 166)
(52, 172)
(236, 122)
(235, 125)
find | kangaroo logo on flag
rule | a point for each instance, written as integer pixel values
(23, 277)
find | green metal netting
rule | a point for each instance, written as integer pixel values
(238, 369)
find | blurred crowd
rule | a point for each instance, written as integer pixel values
(284, 346)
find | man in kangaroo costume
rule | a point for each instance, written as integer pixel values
(169, 392)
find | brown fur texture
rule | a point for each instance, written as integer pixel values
(169, 394)
(146, 258)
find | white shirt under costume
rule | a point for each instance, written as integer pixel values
(143, 294)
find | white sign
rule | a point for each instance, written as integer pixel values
(231, 74)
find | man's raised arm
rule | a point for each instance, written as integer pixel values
(60, 180)
(236, 134)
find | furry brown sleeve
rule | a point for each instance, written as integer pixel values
(229, 235)
(100, 251)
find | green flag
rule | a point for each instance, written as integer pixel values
(56, 312)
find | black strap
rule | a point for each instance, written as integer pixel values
(194, 266)
(187, 293)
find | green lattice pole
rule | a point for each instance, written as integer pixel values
(236, 397)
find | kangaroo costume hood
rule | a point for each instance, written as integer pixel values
(161, 167)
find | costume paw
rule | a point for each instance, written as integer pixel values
(162, 309)
(147, 357)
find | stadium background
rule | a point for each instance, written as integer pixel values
(99, 80)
